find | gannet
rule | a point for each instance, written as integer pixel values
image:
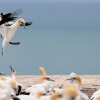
(36, 96)
(76, 80)
(95, 95)
(7, 89)
(53, 96)
(42, 87)
(14, 77)
(70, 92)
(8, 32)
(8, 29)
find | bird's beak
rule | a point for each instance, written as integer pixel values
(15, 89)
(23, 24)
(50, 80)
(44, 94)
(68, 79)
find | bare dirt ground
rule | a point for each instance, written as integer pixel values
(90, 83)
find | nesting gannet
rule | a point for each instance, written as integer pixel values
(36, 96)
(7, 89)
(53, 96)
(42, 87)
(14, 77)
(43, 72)
(70, 92)
(76, 80)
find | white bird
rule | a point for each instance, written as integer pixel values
(36, 96)
(8, 29)
(6, 89)
(14, 77)
(95, 95)
(43, 86)
(76, 80)
(70, 93)
(8, 32)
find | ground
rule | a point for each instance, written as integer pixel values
(90, 83)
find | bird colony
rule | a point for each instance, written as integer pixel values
(11, 89)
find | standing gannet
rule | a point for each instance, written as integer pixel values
(76, 80)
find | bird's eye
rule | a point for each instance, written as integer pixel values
(48, 78)
(74, 78)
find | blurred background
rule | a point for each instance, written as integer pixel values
(64, 37)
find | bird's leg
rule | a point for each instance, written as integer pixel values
(2, 51)
(1, 36)
(14, 43)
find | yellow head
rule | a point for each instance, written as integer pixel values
(20, 21)
(98, 98)
(13, 83)
(3, 78)
(42, 70)
(39, 94)
(55, 96)
(71, 91)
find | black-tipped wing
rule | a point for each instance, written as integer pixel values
(27, 24)
(9, 16)
(2, 74)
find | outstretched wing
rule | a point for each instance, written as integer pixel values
(9, 16)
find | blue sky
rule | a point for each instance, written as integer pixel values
(64, 37)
